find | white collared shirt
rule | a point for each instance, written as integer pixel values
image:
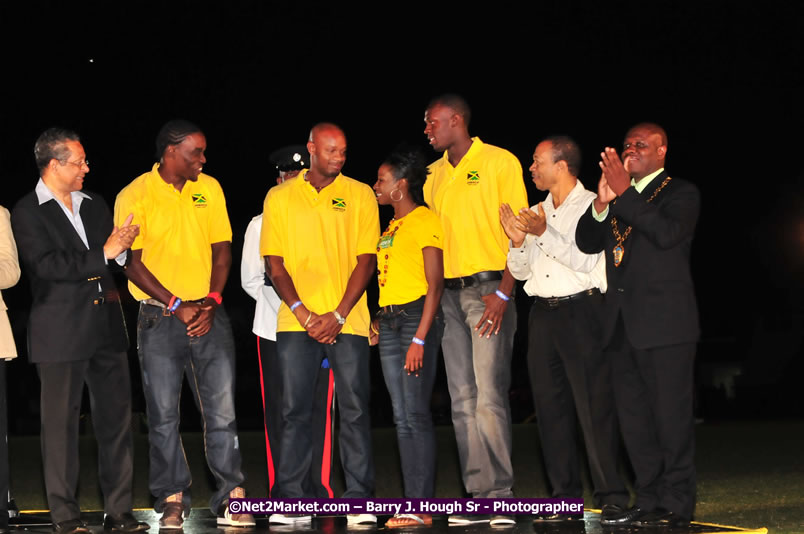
(44, 194)
(551, 264)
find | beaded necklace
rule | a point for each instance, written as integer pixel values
(386, 242)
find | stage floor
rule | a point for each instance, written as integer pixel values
(201, 521)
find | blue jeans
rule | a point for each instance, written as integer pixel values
(300, 358)
(410, 396)
(479, 376)
(167, 353)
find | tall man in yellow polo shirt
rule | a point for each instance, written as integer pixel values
(465, 189)
(319, 238)
(180, 262)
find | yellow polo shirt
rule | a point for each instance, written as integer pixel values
(319, 236)
(399, 256)
(177, 230)
(467, 199)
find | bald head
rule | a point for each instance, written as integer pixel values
(644, 150)
(324, 128)
(651, 128)
(327, 147)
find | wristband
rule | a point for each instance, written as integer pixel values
(418, 341)
(502, 295)
(295, 305)
(174, 304)
(217, 297)
(308, 320)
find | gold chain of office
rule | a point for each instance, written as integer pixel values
(619, 250)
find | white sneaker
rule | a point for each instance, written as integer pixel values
(288, 519)
(460, 519)
(228, 519)
(502, 521)
(361, 519)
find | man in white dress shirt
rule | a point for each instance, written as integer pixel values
(565, 358)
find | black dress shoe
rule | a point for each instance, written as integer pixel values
(124, 523)
(661, 519)
(556, 518)
(71, 526)
(610, 511)
(613, 515)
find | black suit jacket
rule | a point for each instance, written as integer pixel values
(652, 287)
(65, 324)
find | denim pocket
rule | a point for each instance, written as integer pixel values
(414, 312)
(148, 317)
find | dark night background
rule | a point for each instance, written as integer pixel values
(724, 79)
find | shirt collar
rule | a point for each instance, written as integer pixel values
(43, 194)
(644, 182)
(302, 178)
(574, 192)
(477, 146)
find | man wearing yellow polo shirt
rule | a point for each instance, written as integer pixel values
(180, 262)
(465, 189)
(319, 239)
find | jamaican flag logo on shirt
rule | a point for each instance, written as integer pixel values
(339, 204)
(199, 200)
(472, 178)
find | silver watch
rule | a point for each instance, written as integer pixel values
(341, 319)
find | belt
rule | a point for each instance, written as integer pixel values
(395, 309)
(471, 280)
(157, 304)
(154, 302)
(554, 302)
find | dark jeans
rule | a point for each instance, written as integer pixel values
(299, 360)
(410, 395)
(167, 353)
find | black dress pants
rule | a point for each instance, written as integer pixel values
(4, 475)
(322, 389)
(107, 377)
(654, 394)
(571, 378)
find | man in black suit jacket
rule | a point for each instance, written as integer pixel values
(76, 332)
(644, 221)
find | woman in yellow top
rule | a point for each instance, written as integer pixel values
(410, 267)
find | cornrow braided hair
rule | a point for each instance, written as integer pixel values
(173, 133)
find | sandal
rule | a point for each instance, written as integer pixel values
(409, 520)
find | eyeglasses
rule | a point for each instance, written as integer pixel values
(78, 164)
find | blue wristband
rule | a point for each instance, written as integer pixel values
(502, 295)
(418, 341)
(176, 304)
(295, 305)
